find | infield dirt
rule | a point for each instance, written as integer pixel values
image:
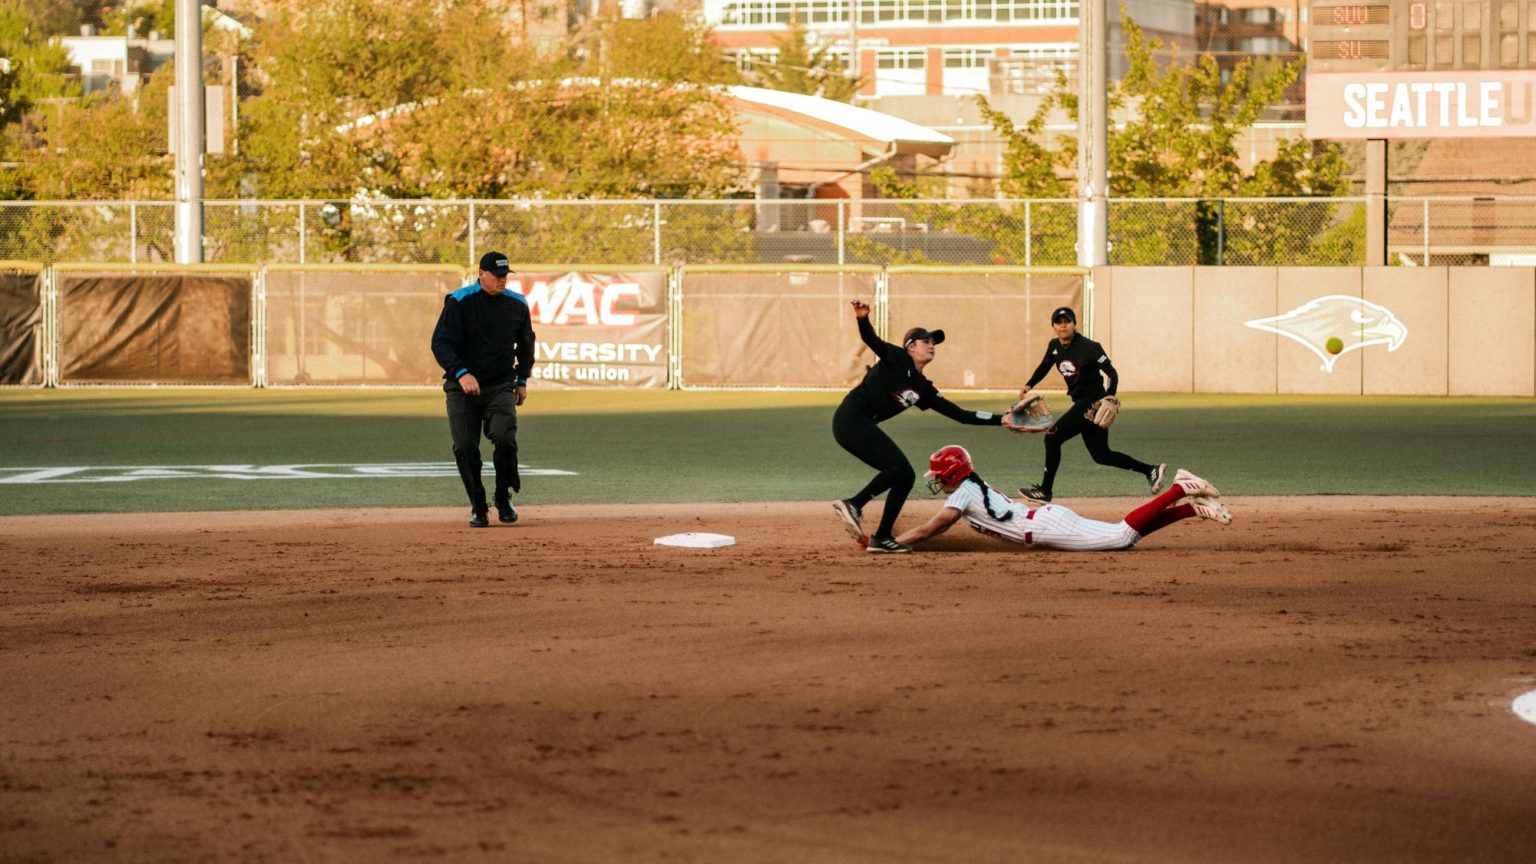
(1328, 679)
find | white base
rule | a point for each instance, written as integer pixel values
(1525, 707)
(696, 540)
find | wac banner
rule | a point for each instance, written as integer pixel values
(597, 329)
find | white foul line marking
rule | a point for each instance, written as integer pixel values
(315, 471)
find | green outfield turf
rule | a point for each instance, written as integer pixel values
(669, 446)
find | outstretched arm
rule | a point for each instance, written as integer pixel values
(960, 415)
(940, 523)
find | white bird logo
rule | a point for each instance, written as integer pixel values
(1354, 322)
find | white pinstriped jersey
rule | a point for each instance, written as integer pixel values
(1049, 526)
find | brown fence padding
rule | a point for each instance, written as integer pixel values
(337, 326)
(779, 328)
(996, 324)
(21, 327)
(154, 327)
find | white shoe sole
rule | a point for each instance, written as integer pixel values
(1215, 511)
(850, 520)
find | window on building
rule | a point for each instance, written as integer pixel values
(764, 13)
(911, 58)
(966, 58)
(1265, 45)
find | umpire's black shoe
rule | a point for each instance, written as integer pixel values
(478, 520)
(505, 512)
(887, 545)
(1036, 493)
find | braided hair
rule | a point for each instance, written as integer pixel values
(986, 500)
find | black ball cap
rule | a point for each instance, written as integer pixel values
(495, 263)
(1064, 312)
(916, 333)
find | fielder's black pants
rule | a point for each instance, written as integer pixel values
(862, 437)
(494, 413)
(1072, 424)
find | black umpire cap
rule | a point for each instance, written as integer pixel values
(1064, 312)
(495, 263)
(917, 333)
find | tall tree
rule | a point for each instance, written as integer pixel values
(1177, 139)
(389, 98)
(104, 147)
(803, 68)
(666, 47)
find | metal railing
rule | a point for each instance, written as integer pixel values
(1172, 231)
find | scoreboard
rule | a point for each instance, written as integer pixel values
(1420, 35)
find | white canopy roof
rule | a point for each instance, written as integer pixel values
(861, 121)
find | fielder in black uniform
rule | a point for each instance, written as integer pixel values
(891, 386)
(1084, 365)
(484, 342)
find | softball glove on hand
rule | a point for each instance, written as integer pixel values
(1103, 412)
(1031, 414)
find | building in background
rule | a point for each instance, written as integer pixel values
(1233, 31)
(116, 63)
(923, 60)
(942, 48)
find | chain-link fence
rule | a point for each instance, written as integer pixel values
(1215, 232)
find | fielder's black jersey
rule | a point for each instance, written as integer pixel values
(489, 336)
(1083, 364)
(894, 384)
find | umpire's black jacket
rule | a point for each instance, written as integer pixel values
(489, 336)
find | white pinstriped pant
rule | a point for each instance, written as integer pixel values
(1052, 526)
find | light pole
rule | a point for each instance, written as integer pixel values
(189, 132)
(853, 41)
(1092, 135)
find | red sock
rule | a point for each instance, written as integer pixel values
(1139, 518)
(1168, 517)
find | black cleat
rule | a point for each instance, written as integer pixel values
(888, 546)
(505, 512)
(478, 520)
(850, 516)
(1035, 493)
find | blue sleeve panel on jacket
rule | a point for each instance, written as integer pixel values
(467, 290)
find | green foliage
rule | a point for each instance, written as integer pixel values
(47, 18)
(801, 68)
(1030, 169)
(39, 70)
(368, 98)
(666, 47)
(106, 146)
(1178, 139)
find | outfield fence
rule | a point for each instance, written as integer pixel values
(1177, 329)
(1142, 232)
(726, 326)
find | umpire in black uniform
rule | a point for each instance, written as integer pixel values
(1085, 366)
(484, 342)
(891, 386)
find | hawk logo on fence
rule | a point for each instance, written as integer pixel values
(1355, 322)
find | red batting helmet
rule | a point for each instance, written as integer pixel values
(948, 466)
